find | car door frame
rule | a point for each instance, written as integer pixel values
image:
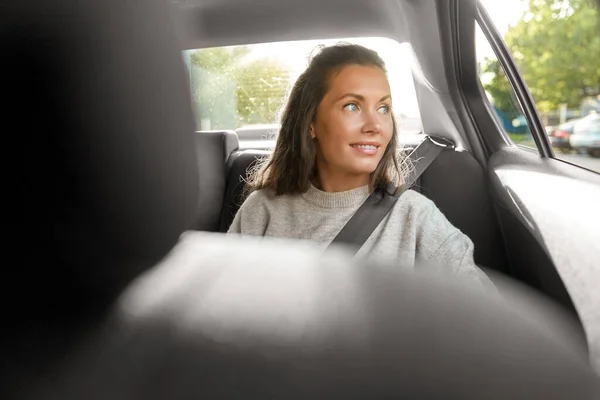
(520, 211)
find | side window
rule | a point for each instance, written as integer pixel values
(556, 46)
(501, 95)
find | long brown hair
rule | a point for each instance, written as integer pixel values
(292, 165)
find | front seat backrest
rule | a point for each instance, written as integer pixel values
(100, 154)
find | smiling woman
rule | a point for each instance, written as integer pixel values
(353, 126)
(337, 130)
(338, 143)
(359, 100)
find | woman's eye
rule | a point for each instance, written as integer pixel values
(384, 109)
(351, 107)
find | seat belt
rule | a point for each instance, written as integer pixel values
(379, 203)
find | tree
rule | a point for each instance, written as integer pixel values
(502, 96)
(233, 89)
(556, 45)
(498, 86)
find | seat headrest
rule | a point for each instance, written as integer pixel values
(101, 123)
(214, 148)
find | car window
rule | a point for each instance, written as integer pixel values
(243, 88)
(501, 95)
(556, 46)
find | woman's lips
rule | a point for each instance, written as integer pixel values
(365, 149)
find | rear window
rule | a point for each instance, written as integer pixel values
(243, 88)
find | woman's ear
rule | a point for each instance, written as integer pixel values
(312, 131)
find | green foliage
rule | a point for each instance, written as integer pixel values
(237, 89)
(498, 87)
(556, 45)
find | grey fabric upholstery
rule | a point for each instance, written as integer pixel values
(223, 318)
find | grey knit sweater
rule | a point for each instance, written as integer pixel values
(414, 232)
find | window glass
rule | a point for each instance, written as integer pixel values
(243, 88)
(501, 95)
(556, 46)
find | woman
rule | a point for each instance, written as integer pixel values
(338, 141)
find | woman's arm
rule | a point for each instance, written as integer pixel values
(457, 252)
(236, 225)
(447, 247)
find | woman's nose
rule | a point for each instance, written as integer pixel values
(371, 124)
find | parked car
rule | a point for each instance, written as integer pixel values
(586, 135)
(559, 135)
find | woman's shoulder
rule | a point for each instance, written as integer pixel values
(423, 212)
(265, 197)
(415, 206)
(257, 197)
(415, 200)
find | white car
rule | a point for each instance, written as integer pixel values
(586, 135)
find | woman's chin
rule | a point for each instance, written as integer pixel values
(364, 169)
(361, 172)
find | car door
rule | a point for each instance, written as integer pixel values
(548, 207)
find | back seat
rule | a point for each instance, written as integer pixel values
(455, 182)
(216, 147)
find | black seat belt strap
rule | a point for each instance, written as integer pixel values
(379, 203)
(424, 154)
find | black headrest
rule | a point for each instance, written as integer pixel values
(215, 148)
(99, 150)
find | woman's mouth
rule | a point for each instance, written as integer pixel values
(365, 149)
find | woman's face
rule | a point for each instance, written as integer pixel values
(352, 127)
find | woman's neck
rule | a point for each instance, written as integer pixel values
(340, 183)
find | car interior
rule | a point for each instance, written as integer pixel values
(489, 188)
(110, 174)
